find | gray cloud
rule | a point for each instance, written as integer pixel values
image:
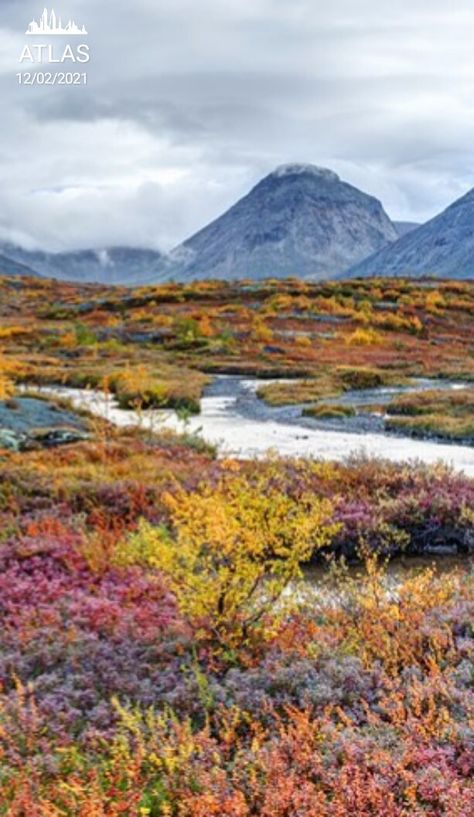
(189, 104)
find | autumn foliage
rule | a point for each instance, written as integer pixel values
(163, 650)
(160, 656)
(232, 550)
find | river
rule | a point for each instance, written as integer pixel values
(234, 418)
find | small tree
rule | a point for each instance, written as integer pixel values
(232, 549)
(188, 331)
(434, 302)
(364, 337)
(7, 387)
(261, 332)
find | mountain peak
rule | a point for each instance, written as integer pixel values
(296, 169)
(299, 220)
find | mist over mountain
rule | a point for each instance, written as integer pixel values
(8, 266)
(300, 220)
(115, 265)
(443, 247)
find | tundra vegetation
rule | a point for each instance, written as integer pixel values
(159, 654)
(438, 413)
(156, 346)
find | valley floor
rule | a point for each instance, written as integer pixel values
(159, 654)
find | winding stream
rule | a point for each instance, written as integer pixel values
(233, 417)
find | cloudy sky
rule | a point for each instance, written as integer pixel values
(190, 102)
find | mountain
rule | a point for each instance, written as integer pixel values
(300, 220)
(404, 227)
(117, 265)
(10, 267)
(443, 247)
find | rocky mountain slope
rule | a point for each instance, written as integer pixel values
(404, 227)
(300, 220)
(443, 247)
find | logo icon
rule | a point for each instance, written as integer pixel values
(52, 25)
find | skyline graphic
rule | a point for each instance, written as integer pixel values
(51, 24)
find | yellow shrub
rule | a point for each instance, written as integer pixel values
(364, 337)
(332, 306)
(434, 301)
(205, 327)
(11, 332)
(364, 312)
(232, 550)
(385, 627)
(6, 387)
(261, 332)
(67, 340)
(6, 384)
(162, 320)
(303, 340)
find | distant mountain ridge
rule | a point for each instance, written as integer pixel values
(300, 220)
(443, 247)
(116, 265)
(8, 266)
